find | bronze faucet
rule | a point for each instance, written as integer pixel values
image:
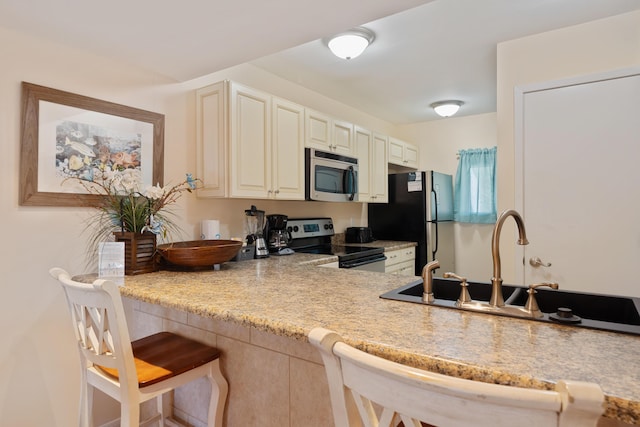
(497, 299)
(427, 281)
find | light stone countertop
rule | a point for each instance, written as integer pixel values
(290, 295)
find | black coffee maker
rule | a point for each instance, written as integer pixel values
(278, 237)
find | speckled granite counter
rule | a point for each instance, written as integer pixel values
(288, 296)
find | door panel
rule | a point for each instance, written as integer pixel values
(579, 154)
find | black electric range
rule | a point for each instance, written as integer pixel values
(313, 236)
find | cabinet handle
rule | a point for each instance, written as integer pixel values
(277, 191)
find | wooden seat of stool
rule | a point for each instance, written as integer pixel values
(165, 355)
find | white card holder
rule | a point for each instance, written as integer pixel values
(111, 261)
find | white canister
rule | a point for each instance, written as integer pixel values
(210, 229)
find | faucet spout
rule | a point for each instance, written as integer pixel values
(497, 300)
(427, 281)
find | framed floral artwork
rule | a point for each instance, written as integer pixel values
(65, 135)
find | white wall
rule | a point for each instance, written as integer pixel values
(38, 362)
(597, 46)
(439, 141)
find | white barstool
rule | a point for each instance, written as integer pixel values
(133, 372)
(368, 390)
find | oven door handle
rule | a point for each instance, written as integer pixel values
(362, 261)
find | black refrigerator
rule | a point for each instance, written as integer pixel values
(420, 209)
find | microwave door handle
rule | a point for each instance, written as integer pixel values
(352, 174)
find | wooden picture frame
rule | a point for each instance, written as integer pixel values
(48, 117)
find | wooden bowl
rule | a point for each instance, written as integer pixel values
(199, 253)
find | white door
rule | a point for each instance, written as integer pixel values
(578, 179)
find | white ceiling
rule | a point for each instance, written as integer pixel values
(424, 50)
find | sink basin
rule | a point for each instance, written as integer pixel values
(595, 311)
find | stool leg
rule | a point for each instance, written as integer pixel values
(219, 391)
(160, 409)
(129, 413)
(86, 400)
(86, 405)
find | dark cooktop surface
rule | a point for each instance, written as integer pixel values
(344, 253)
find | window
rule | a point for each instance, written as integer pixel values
(475, 186)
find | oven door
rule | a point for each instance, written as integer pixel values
(372, 263)
(330, 177)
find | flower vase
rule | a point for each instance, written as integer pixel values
(139, 251)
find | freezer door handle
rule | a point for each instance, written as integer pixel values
(435, 204)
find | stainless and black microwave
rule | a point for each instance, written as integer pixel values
(330, 177)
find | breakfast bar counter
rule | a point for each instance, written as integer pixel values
(287, 296)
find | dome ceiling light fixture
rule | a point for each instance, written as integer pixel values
(446, 108)
(352, 43)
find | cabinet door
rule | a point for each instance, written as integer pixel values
(401, 261)
(211, 140)
(396, 151)
(410, 155)
(342, 137)
(287, 153)
(379, 182)
(250, 142)
(318, 132)
(402, 153)
(363, 146)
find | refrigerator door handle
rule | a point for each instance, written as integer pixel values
(435, 247)
(433, 237)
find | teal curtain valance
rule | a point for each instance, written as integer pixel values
(475, 186)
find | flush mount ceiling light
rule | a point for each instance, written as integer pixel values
(352, 43)
(446, 108)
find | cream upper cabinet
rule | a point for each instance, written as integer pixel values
(342, 137)
(328, 134)
(211, 140)
(402, 153)
(380, 169)
(287, 150)
(249, 143)
(371, 151)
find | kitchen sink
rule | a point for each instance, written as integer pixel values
(595, 311)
